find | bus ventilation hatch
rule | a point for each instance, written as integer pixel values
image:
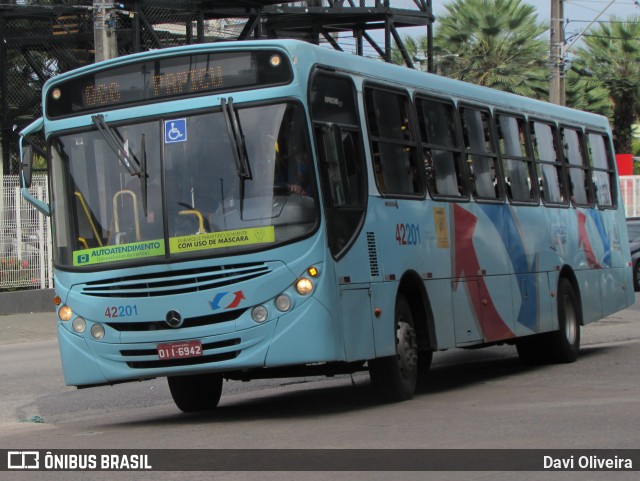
(175, 282)
(373, 254)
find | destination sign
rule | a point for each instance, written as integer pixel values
(167, 78)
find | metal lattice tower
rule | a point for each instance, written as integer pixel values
(43, 38)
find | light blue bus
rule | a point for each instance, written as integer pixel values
(272, 208)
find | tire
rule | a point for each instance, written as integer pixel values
(424, 364)
(533, 350)
(565, 342)
(636, 276)
(394, 378)
(563, 345)
(199, 392)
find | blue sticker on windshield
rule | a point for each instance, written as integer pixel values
(175, 131)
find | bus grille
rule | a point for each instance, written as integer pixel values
(175, 282)
(188, 322)
(373, 254)
(190, 361)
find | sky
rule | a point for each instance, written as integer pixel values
(573, 9)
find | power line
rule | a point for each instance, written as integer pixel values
(611, 38)
(601, 21)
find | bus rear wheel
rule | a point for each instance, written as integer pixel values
(198, 392)
(565, 342)
(563, 345)
(394, 378)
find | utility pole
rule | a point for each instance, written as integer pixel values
(556, 53)
(104, 30)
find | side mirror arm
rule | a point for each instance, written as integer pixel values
(37, 203)
(26, 160)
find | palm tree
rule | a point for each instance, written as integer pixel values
(496, 43)
(499, 43)
(612, 53)
(587, 93)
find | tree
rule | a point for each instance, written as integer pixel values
(588, 93)
(500, 44)
(496, 43)
(612, 53)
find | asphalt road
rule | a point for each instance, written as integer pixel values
(474, 399)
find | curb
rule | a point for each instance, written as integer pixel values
(24, 302)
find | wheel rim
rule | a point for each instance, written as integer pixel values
(570, 321)
(407, 351)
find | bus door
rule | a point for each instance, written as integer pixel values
(482, 255)
(343, 178)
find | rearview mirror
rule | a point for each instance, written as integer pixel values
(26, 165)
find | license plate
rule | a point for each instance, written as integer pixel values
(180, 350)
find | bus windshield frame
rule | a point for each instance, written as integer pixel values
(171, 188)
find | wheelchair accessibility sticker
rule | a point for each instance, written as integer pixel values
(175, 131)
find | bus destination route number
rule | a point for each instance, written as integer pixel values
(180, 350)
(408, 234)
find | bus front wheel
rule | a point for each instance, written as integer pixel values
(199, 392)
(394, 378)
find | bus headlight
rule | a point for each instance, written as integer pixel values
(304, 286)
(79, 325)
(283, 302)
(97, 331)
(259, 314)
(65, 313)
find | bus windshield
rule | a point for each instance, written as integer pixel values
(233, 180)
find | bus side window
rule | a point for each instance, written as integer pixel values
(481, 153)
(579, 183)
(393, 142)
(517, 162)
(603, 172)
(551, 177)
(441, 148)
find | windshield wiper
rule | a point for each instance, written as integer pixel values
(236, 136)
(143, 174)
(118, 147)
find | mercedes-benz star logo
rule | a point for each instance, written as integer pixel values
(174, 319)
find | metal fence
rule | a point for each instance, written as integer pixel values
(25, 238)
(630, 194)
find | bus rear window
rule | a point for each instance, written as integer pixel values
(166, 79)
